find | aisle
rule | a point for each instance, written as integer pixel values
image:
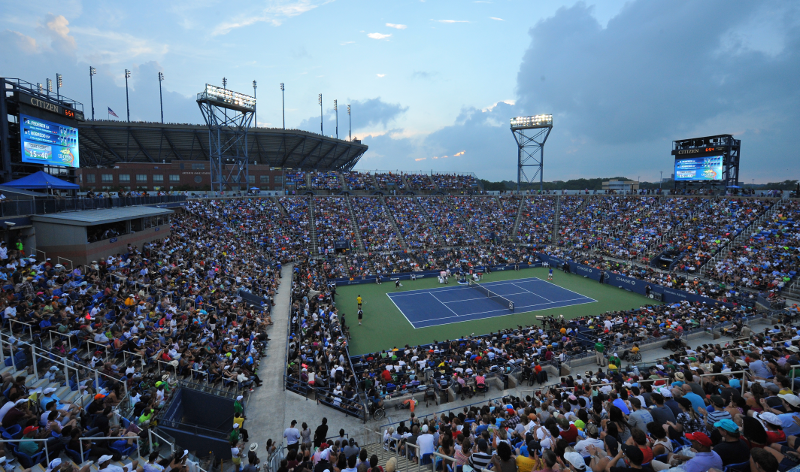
(265, 410)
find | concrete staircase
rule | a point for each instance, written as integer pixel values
(523, 202)
(390, 216)
(557, 222)
(353, 225)
(312, 227)
(427, 217)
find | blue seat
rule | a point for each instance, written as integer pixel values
(740, 467)
(661, 457)
(426, 459)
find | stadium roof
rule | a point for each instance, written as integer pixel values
(96, 217)
(109, 142)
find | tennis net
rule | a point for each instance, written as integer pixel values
(503, 301)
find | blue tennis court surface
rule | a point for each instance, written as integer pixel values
(457, 303)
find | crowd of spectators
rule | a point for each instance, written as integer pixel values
(420, 181)
(411, 221)
(298, 213)
(330, 181)
(489, 220)
(333, 223)
(374, 224)
(389, 181)
(359, 180)
(297, 179)
(768, 259)
(448, 223)
(536, 220)
(465, 183)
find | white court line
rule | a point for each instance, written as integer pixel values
(562, 288)
(484, 298)
(425, 290)
(532, 293)
(496, 316)
(443, 304)
(401, 311)
(515, 309)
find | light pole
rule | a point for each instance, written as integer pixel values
(92, 71)
(661, 172)
(283, 105)
(49, 87)
(40, 87)
(255, 111)
(160, 95)
(127, 102)
(336, 110)
(225, 86)
(59, 83)
(320, 115)
(350, 124)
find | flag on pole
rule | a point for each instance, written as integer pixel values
(111, 112)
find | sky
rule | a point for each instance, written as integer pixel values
(433, 83)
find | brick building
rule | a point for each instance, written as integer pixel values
(177, 175)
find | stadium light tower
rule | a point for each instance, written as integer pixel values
(92, 72)
(320, 115)
(127, 102)
(255, 111)
(49, 86)
(336, 110)
(160, 95)
(59, 83)
(228, 115)
(530, 133)
(283, 105)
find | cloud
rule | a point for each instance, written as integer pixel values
(421, 159)
(643, 84)
(378, 35)
(346, 43)
(381, 75)
(459, 154)
(496, 18)
(367, 114)
(422, 74)
(23, 42)
(451, 21)
(396, 26)
(275, 14)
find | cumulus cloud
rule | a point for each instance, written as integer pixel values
(643, 83)
(396, 26)
(381, 75)
(369, 114)
(378, 35)
(22, 42)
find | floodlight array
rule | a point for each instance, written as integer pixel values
(220, 94)
(531, 121)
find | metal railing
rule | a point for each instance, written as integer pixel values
(49, 205)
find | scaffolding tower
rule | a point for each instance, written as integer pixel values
(530, 133)
(228, 115)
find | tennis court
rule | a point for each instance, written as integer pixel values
(457, 303)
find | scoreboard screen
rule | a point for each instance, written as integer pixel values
(47, 143)
(698, 168)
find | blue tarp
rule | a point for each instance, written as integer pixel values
(41, 180)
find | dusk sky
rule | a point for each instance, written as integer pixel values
(434, 83)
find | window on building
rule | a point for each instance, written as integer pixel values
(198, 166)
(264, 179)
(124, 177)
(107, 177)
(278, 179)
(141, 177)
(158, 178)
(174, 177)
(251, 179)
(89, 178)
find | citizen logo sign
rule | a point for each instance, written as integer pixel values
(45, 105)
(688, 151)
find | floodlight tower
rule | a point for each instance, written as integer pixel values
(530, 133)
(228, 115)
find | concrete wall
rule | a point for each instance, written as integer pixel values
(65, 242)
